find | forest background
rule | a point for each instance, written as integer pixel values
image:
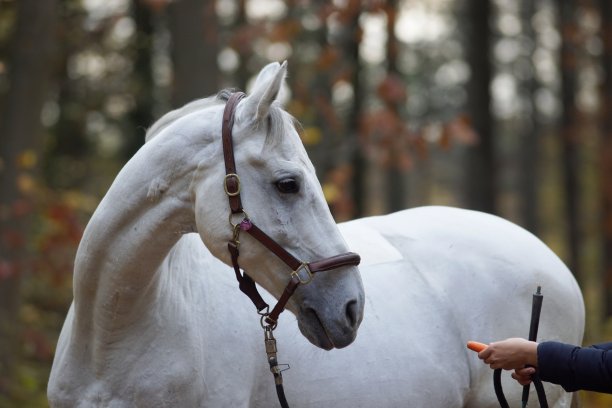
(503, 106)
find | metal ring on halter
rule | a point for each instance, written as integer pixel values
(244, 214)
(265, 325)
(303, 267)
(264, 312)
(231, 193)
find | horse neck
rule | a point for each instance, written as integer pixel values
(146, 210)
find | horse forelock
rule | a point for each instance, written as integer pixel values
(281, 128)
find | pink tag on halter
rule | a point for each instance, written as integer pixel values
(245, 224)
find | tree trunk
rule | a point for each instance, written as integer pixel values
(318, 96)
(606, 154)
(349, 44)
(194, 32)
(569, 135)
(141, 117)
(33, 46)
(481, 170)
(243, 46)
(396, 188)
(529, 149)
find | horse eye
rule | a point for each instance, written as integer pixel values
(288, 186)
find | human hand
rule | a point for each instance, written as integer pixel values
(523, 375)
(510, 354)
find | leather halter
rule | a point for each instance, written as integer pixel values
(302, 271)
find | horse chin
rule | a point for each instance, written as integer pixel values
(320, 340)
(315, 331)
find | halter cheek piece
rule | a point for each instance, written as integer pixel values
(302, 272)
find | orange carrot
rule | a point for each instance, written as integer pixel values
(476, 346)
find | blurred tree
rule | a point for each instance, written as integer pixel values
(195, 45)
(529, 149)
(481, 165)
(569, 132)
(33, 50)
(316, 69)
(141, 114)
(348, 39)
(98, 87)
(396, 191)
(242, 41)
(68, 144)
(605, 159)
(322, 131)
(310, 86)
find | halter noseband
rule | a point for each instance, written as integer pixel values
(302, 272)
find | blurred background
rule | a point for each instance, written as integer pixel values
(503, 106)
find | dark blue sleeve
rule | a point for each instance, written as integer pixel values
(576, 368)
(603, 346)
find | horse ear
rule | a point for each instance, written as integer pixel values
(265, 91)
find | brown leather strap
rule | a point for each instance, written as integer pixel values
(249, 288)
(337, 261)
(232, 181)
(346, 259)
(274, 247)
(293, 284)
(245, 282)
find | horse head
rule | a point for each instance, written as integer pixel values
(280, 193)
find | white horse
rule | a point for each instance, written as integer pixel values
(131, 338)
(184, 336)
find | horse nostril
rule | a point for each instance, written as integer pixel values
(352, 313)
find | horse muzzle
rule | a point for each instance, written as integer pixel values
(326, 318)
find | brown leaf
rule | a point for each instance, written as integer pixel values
(392, 90)
(461, 130)
(405, 161)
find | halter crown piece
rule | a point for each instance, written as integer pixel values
(302, 272)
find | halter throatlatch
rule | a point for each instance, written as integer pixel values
(302, 272)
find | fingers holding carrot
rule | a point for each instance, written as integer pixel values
(509, 354)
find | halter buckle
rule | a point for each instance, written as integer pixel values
(303, 274)
(227, 188)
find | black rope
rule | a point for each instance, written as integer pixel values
(499, 392)
(537, 383)
(275, 368)
(280, 391)
(501, 398)
(536, 308)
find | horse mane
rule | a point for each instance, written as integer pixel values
(279, 121)
(172, 116)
